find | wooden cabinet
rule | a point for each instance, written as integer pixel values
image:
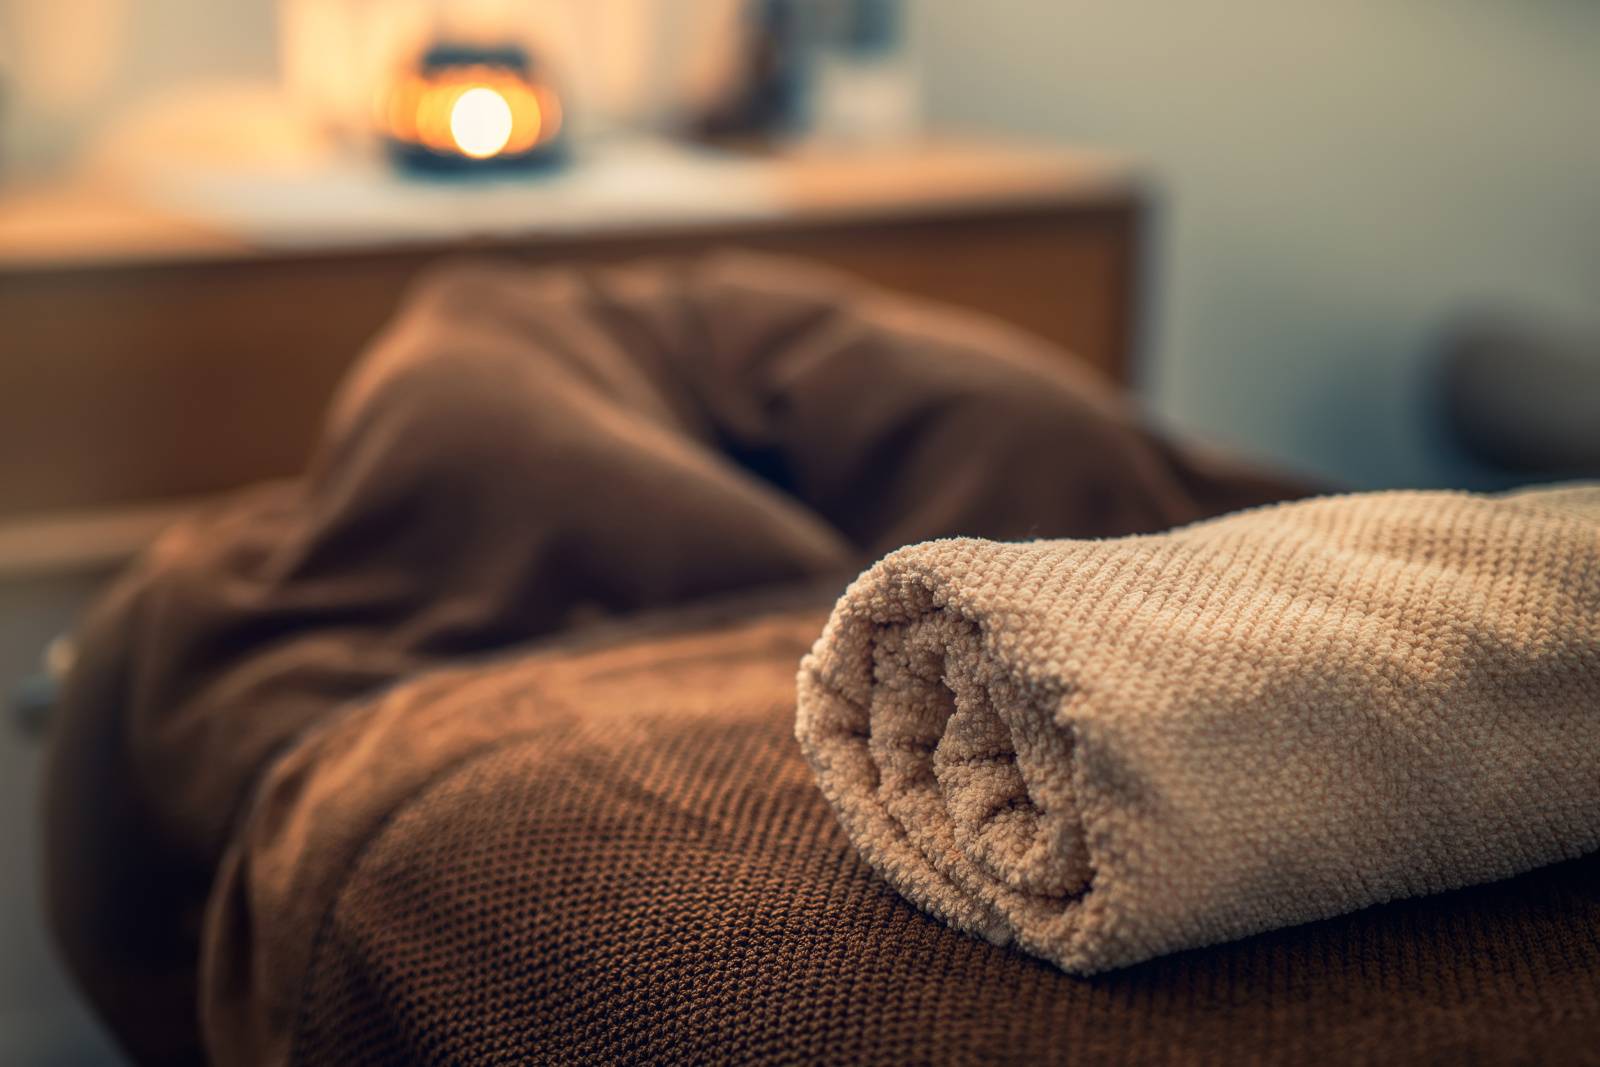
(146, 357)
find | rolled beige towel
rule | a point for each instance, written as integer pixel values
(1104, 751)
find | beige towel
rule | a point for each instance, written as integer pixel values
(1104, 751)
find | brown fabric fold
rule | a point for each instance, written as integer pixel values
(523, 453)
(615, 853)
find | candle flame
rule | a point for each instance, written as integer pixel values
(481, 122)
(478, 112)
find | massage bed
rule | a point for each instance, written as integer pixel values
(476, 744)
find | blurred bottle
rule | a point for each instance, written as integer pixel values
(864, 83)
(766, 99)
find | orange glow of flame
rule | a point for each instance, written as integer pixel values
(478, 112)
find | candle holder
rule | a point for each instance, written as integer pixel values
(467, 109)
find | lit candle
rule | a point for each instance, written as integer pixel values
(467, 109)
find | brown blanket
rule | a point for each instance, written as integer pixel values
(617, 854)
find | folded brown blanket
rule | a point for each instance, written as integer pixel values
(521, 453)
(612, 851)
(1109, 750)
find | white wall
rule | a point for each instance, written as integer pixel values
(69, 66)
(1341, 179)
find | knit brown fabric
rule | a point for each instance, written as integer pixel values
(618, 855)
(520, 454)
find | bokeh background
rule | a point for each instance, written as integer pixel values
(1340, 187)
(1343, 182)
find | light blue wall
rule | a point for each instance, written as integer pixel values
(1342, 178)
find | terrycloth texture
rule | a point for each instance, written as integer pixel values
(521, 453)
(1107, 751)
